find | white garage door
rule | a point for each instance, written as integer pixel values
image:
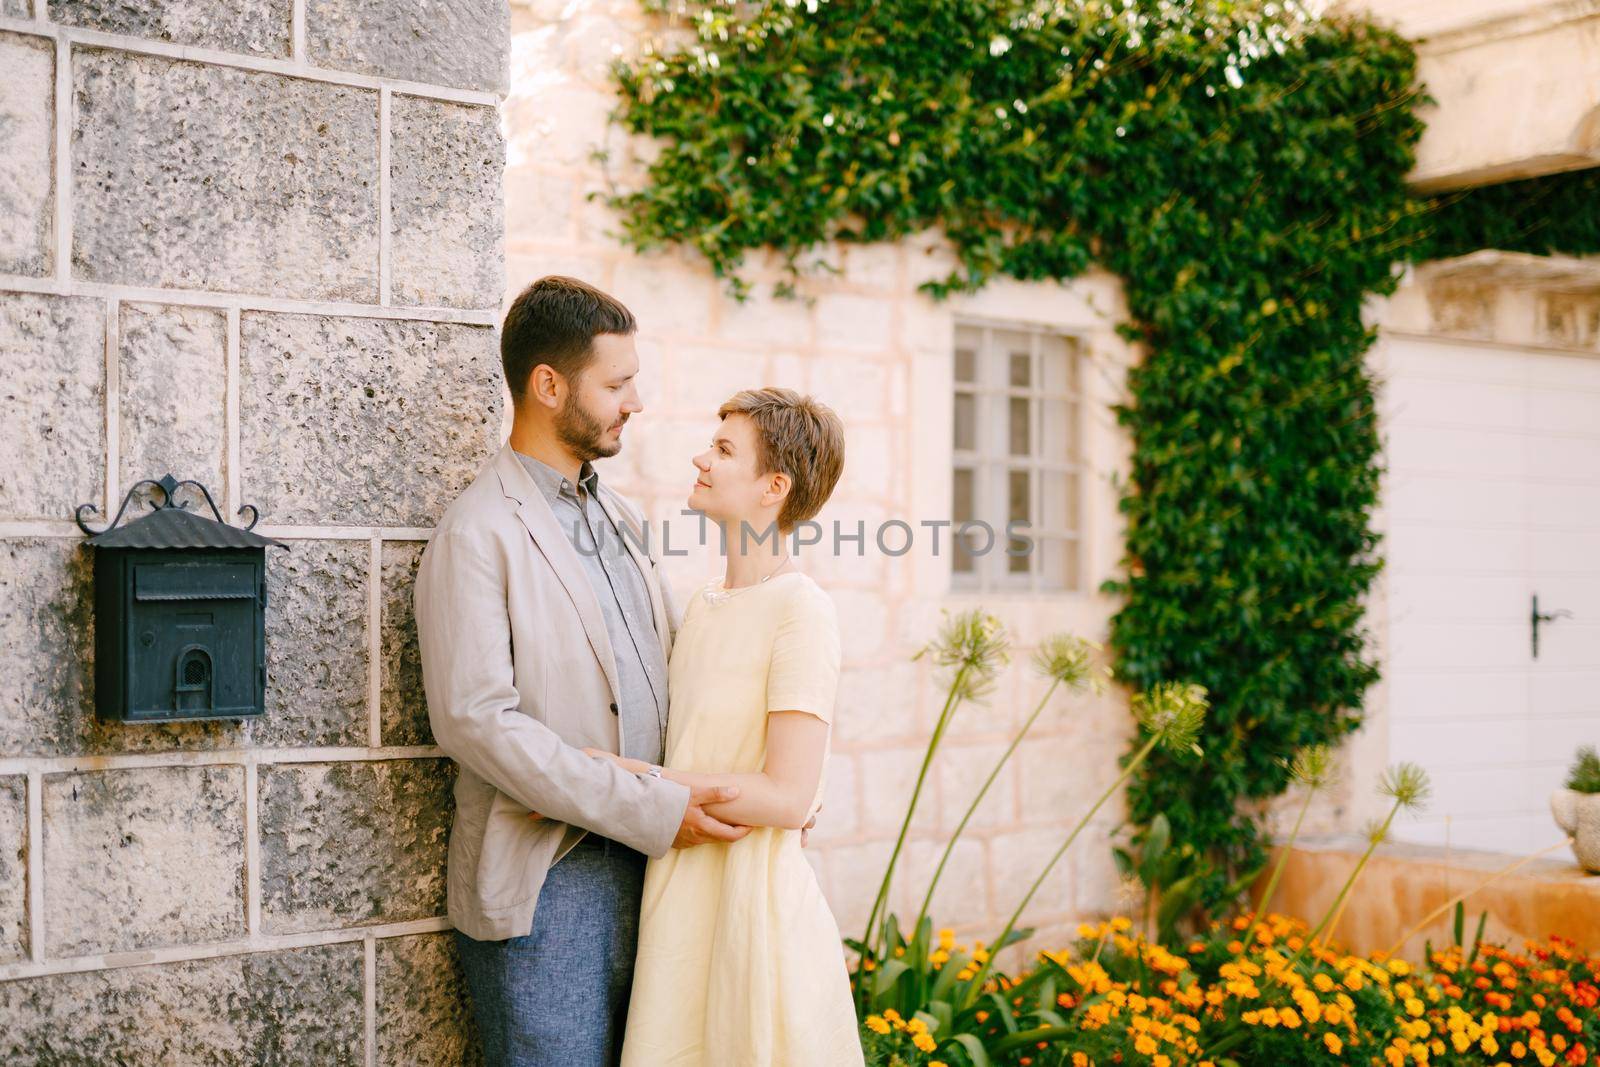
(1492, 497)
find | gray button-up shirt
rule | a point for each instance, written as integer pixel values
(624, 601)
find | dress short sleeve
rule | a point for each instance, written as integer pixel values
(804, 674)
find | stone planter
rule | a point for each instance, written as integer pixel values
(1579, 815)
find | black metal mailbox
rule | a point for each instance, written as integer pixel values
(180, 612)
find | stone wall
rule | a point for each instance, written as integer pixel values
(865, 341)
(256, 244)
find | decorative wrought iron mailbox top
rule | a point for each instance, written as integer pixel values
(180, 611)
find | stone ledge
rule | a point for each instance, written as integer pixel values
(1403, 883)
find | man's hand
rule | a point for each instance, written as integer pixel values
(805, 831)
(698, 828)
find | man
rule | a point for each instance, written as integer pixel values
(545, 630)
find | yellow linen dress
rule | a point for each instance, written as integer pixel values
(740, 963)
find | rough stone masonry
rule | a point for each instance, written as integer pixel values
(256, 243)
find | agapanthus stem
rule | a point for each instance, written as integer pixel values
(977, 980)
(1277, 869)
(952, 699)
(972, 808)
(1344, 890)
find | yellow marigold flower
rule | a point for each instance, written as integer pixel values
(877, 1025)
(1333, 1044)
(1353, 980)
(1269, 1016)
(916, 1026)
(983, 1016)
(1290, 1018)
(924, 1043)
(1333, 1014)
(1489, 1044)
(1078, 1060)
(1403, 990)
(1395, 1057)
(1250, 1017)
(1322, 982)
(1121, 922)
(1145, 1045)
(1086, 930)
(1161, 1061)
(1415, 1007)
(1398, 966)
(891, 1015)
(1235, 947)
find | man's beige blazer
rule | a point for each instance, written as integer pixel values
(520, 677)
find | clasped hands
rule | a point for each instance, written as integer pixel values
(697, 828)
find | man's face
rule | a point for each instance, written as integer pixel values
(590, 419)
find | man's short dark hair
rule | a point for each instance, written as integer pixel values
(554, 321)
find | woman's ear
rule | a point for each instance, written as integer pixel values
(778, 486)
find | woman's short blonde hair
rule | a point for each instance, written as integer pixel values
(799, 436)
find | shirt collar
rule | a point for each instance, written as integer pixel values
(553, 484)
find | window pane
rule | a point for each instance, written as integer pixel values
(1058, 363)
(966, 365)
(1021, 369)
(966, 422)
(1058, 503)
(1021, 438)
(968, 340)
(1021, 506)
(962, 490)
(1058, 563)
(1023, 561)
(1058, 437)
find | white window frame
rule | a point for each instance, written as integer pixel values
(992, 462)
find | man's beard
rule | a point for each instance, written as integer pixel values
(582, 433)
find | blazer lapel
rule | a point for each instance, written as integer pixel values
(534, 511)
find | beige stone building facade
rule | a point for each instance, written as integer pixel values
(266, 244)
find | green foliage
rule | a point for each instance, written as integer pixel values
(1241, 166)
(1584, 777)
(1558, 213)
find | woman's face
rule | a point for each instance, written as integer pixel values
(728, 489)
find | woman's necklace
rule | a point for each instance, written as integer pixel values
(717, 596)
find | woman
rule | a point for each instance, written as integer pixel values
(740, 960)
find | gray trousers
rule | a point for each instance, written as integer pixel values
(558, 996)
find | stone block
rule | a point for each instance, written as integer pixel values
(1015, 861)
(962, 895)
(354, 420)
(253, 27)
(461, 43)
(13, 868)
(350, 843)
(841, 809)
(876, 703)
(540, 206)
(963, 771)
(424, 1016)
(404, 709)
(16, 9)
(854, 872)
(673, 300)
(849, 321)
(446, 211)
(46, 638)
(293, 1006)
(207, 177)
(172, 380)
(53, 435)
(888, 777)
(143, 858)
(27, 114)
(316, 645)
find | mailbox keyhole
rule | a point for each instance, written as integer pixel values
(194, 681)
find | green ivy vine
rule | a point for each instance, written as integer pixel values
(1240, 165)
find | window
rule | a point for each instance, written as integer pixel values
(1016, 458)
